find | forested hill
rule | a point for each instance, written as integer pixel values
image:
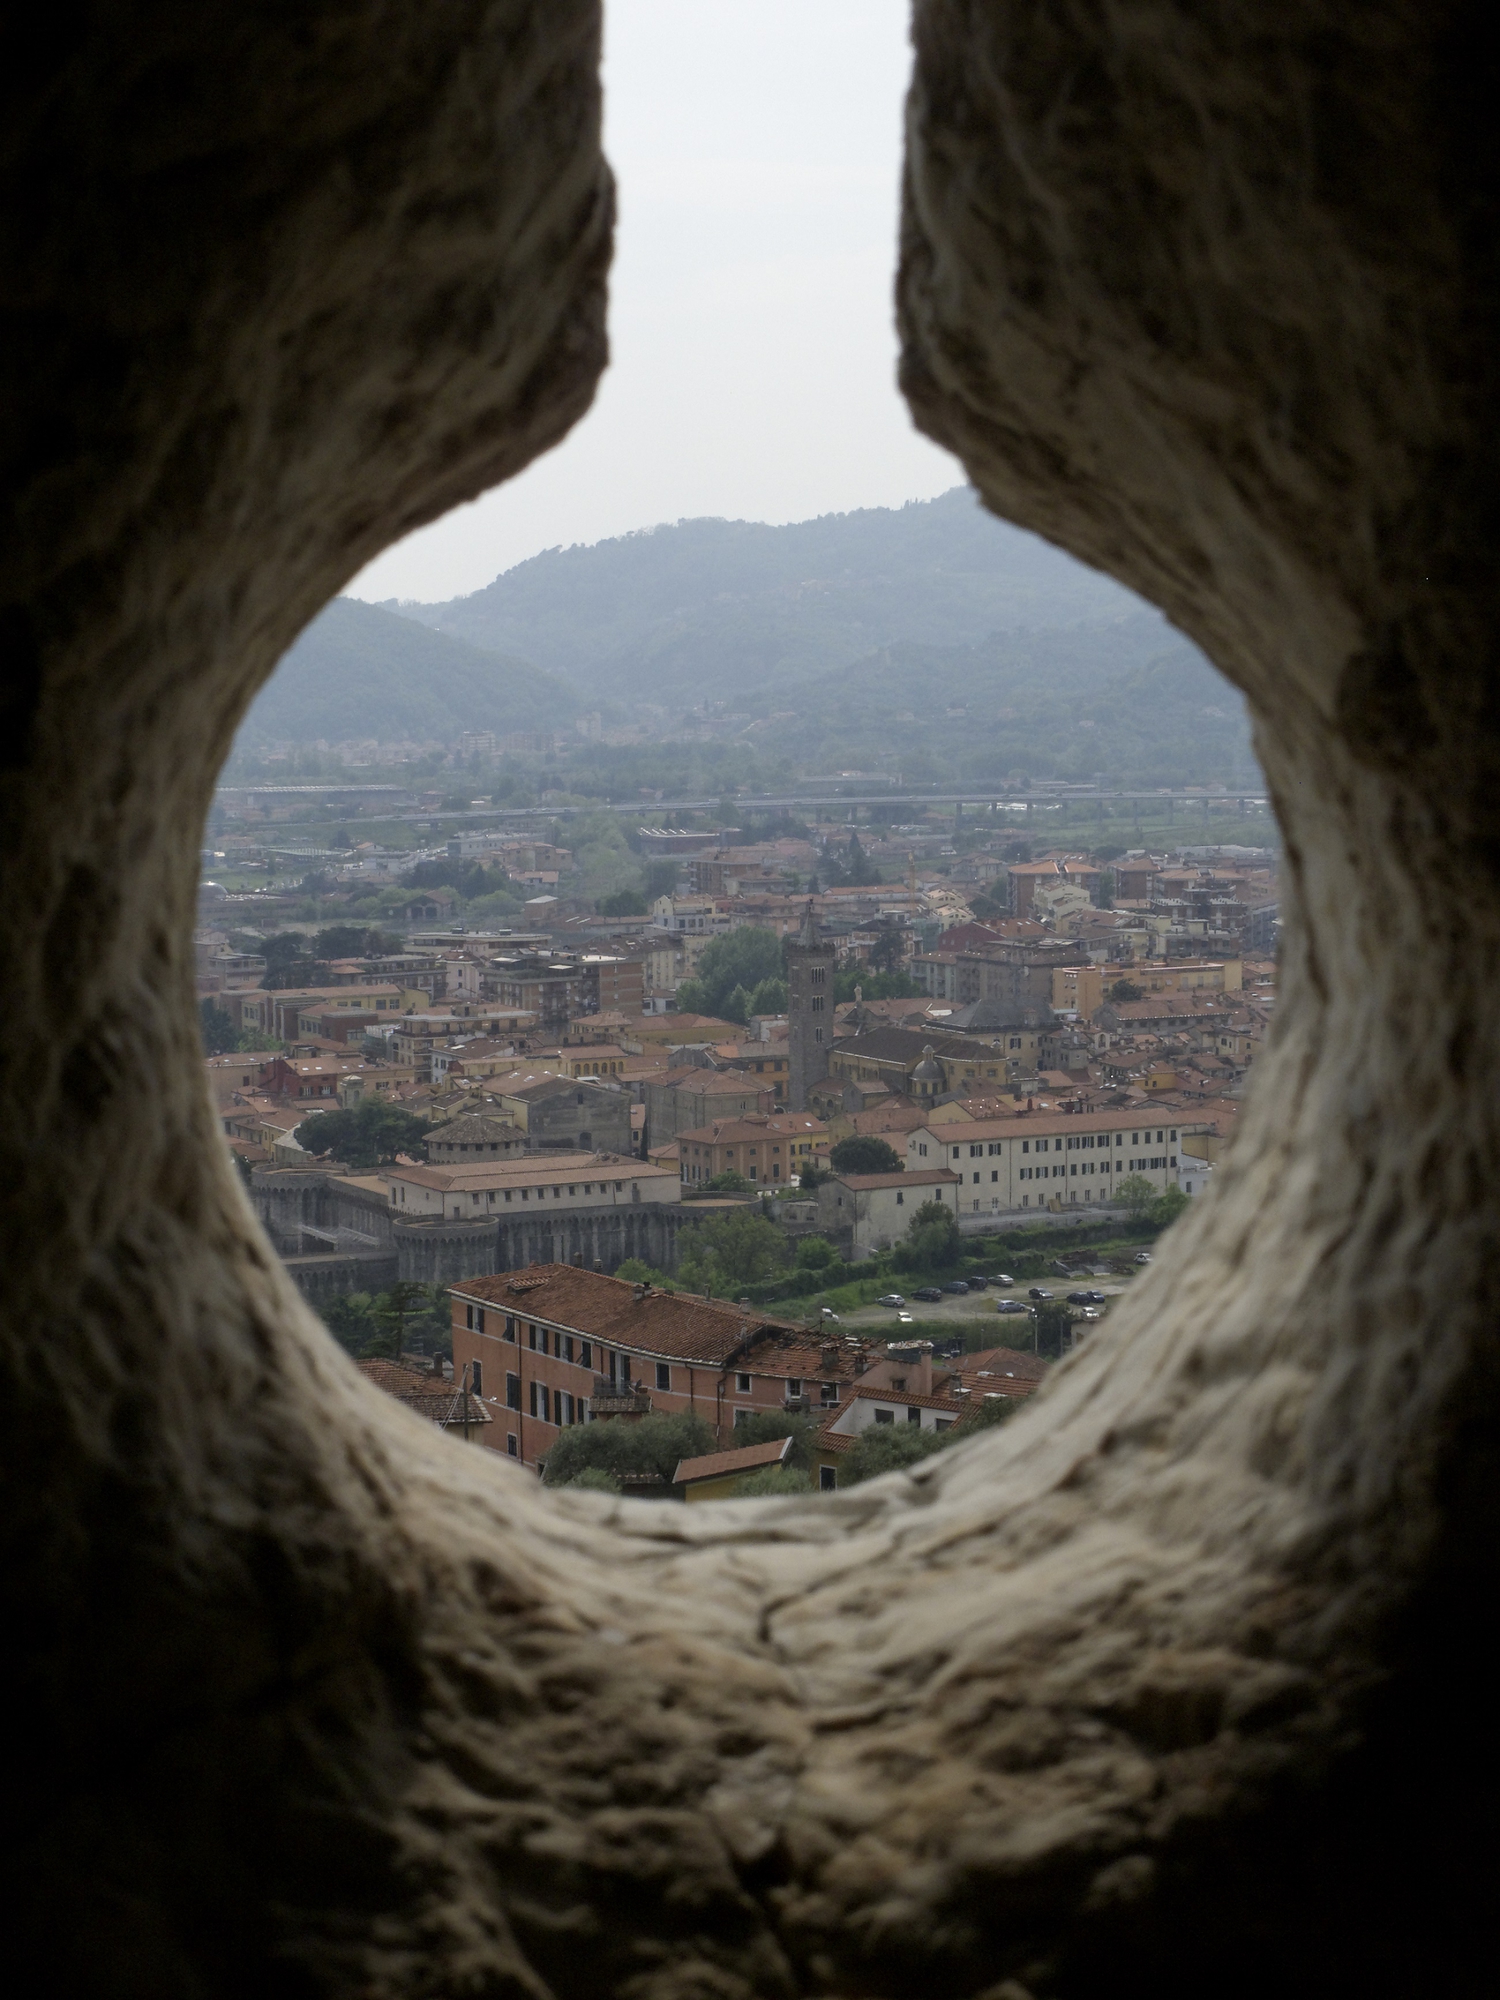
(360, 671)
(1127, 699)
(690, 612)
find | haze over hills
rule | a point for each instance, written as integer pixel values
(360, 671)
(694, 610)
(930, 639)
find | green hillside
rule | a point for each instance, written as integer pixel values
(1127, 698)
(361, 671)
(696, 610)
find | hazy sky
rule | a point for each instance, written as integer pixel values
(757, 147)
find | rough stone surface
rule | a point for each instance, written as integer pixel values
(1178, 1685)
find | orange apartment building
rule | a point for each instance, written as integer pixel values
(768, 1151)
(553, 1345)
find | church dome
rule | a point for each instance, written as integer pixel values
(928, 1074)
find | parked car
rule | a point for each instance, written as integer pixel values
(1002, 1278)
(1038, 1294)
(1141, 1257)
(894, 1300)
(1091, 1312)
(905, 1319)
(1085, 1298)
(977, 1284)
(929, 1293)
(1009, 1306)
(955, 1285)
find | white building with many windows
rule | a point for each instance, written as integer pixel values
(1051, 1159)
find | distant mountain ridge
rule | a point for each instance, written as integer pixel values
(362, 671)
(689, 611)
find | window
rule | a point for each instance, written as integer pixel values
(828, 1479)
(510, 1326)
(885, 1416)
(511, 1445)
(794, 1385)
(531, 1338)
(476, 1377)
(585, 1354)
(741, 1417)
(479, 1320)
(830, 1391)
(742, 1385)
(663, 1375)
(994, 1173)
(900, 1199)
(914, 1416)
(513, 1392)
(564, 1406)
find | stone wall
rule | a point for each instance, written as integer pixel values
(1178, 1682)
(335, 1239)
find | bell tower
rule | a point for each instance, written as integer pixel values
(809, 1007)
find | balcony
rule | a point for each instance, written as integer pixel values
(619, 1399)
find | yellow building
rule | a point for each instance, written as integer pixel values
(1078, 989)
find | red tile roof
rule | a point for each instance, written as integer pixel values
(718, 1464)
(676, 1326)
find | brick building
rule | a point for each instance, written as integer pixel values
(549, 1345)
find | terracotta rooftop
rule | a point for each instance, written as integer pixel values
(674, 1325)
(528, 1171)
(426, 1395)
(718, 1464)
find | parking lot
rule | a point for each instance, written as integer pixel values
(981, 1305)
(969, 1307)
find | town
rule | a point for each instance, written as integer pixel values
(804, 1165)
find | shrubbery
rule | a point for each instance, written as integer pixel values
(653, 1446)
(370, 1136)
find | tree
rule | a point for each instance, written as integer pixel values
(772, 1482)
(888, 952)
(741, 959)
(654, 1445)
(865, 1154)
(816, 1253)
(730, 1251)
(216, 1029)
(635, 1271)
(769, 997)
(729, 1182)
(1135, 1193)
(854, 868)
(1052, 1325)
(401, 1302)
(623, 903)
(983, 1413)
(736, 1007)
(765, 1426)
(874, 985)
(931, 1242)
(410, 1318)
(370, 1136)
(888, 1448)
(594, 1479)
(1165, 1210)
(350, 941)
(1126, 989)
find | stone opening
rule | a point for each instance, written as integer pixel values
(1163, 1687)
